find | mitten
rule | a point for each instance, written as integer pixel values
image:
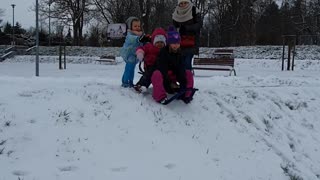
(187, 100)
(140, 56)
(145, 38)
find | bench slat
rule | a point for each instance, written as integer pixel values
(210, 61)
(224, 64)
(196, 60)
(107, 60)
(213, 68)
(107, 57)
(222, 60)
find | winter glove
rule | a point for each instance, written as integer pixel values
(140, 54)
(145, 38)
(187, 100)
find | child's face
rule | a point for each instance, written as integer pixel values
(175, 47)
(136, 26)
(159, 44)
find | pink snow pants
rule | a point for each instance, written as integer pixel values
(159, 91)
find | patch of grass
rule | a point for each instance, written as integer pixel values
(9, 153)
(2, 142)
(7, 123)
(267, 123)
(296, 105)
(292, 147)
(295, 177)
(1, 151)
(248, 119)
(64, 115)
(286, 169)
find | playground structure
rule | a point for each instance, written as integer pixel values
(290, 42)
(11, 51)
(62, 52)
(305, 33)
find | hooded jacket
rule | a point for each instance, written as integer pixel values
(172, 62)
(151, 51)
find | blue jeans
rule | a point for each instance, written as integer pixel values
(128, 75)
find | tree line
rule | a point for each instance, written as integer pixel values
(226, 22)
(262, 22)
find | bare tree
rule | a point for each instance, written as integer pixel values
(145, 9)
(153, 13)
(314, 14)
(68, 12)
(1, 14)
(203, 7)
(116, 11)
(161, 13)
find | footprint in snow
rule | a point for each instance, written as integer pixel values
(19, 173)
(68, 168)
(170, 166)
(119, 169)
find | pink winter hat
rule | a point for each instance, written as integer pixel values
(158, 35)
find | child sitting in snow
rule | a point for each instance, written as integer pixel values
(170, 69)
(148, 53)
(128, 50)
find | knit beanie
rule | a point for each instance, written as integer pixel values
(129, 21)
(179, 1)
(159, 34)
(159, 38)
(173, 36)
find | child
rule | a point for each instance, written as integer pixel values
(170, 69)
(128, 49)
(148, 53)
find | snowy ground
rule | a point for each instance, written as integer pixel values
(303, 52)
(79, 124)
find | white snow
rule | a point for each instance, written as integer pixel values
(79, 124)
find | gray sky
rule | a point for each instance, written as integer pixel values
(22, 12)
(24, 15)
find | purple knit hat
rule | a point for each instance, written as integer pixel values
(173, 37)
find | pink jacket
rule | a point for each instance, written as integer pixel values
(150, 51)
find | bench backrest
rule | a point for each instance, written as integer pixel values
(223, 54)
(213, 61)
(107, 57)
(221, 57)
(228, 51)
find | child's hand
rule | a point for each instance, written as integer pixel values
(137, 33)
(140, 56)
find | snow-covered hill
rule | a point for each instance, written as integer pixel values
(79, 124)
